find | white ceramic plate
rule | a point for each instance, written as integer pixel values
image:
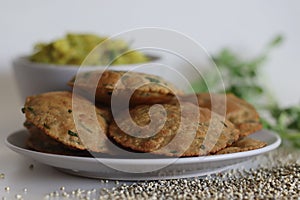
(144, 169)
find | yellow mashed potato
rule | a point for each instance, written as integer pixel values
(73, 49)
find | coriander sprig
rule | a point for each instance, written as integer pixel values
(242, 78)
(286, 123)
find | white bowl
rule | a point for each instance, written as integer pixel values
(34, 78)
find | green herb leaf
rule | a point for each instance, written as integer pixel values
(71, 133)
(224, 124)
(152, 80)
(241, 77)
(173, 152)
(276, 41)
(27, 124)
(31, 110)
(46, 126)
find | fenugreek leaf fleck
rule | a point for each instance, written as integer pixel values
(46, 126)
(31, 110)
(152, 80)
(71, 133)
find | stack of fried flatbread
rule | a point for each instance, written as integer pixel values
(113, 112)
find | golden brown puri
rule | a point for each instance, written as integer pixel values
(243, 144)
(105, 112)
(242, 114)
(43, 143)
(184, 133)
(55, 114)
(137, 88)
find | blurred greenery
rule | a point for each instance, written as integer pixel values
(243, 77)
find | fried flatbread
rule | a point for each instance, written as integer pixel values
(242, 114)
(74, 122)
(185, 131)
(136, 88)
(41, 142)
(244, 144)
(105, 112)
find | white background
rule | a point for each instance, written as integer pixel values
(245, 26)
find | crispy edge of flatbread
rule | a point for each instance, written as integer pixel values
(243, 144)
(154, 89)
(248, 128)
(41, 142)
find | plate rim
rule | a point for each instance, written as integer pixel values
(155, 161)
